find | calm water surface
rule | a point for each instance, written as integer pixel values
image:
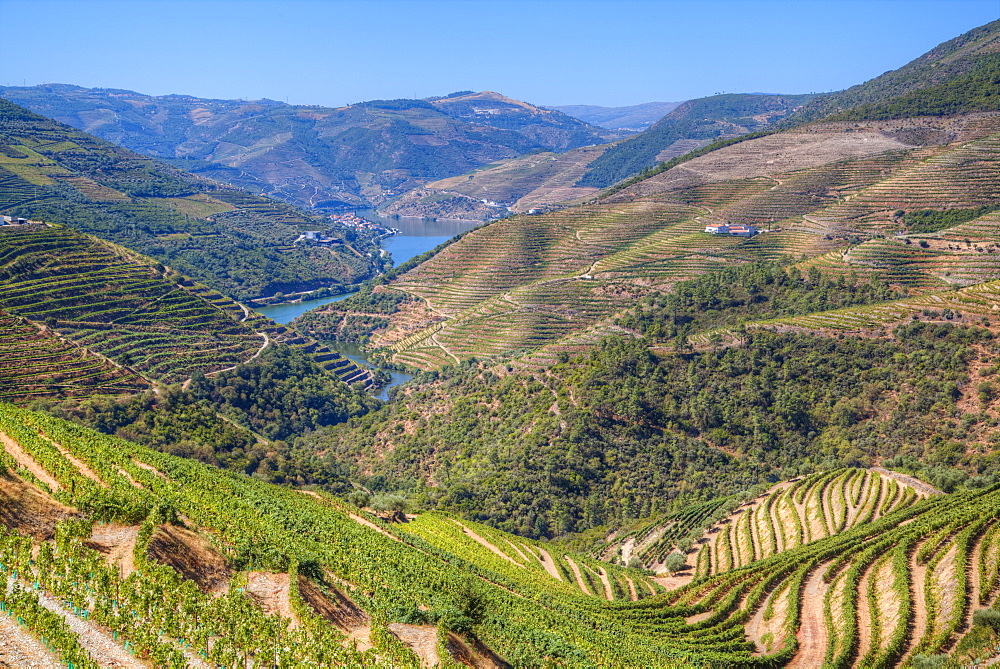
(417, 236)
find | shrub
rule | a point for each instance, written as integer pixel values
(987, 618)
(674, 562)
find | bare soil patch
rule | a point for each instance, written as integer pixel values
(866, 617)
(675, 581)
(918, 597)
(192, 556)
(271, 592)
(609, 592)
(759, 629)
(19, 649)
(549, 565)
(30, 511)
(98, 644)
(812, 634)
(633, 595)
(422, 639)
(888, 602)
(335, 606)
(117, 544)
(579, 577)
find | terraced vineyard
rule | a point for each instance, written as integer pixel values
(34, 364)
(791, 514)
(533, 563)
(873, 595)
(255, 572)
(114, 303)
(541, 281)
(802, 511)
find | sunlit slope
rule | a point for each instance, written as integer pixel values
(35, 363)
(257, 571)
(715, 538)
(340, 575)
(529, 281)
(535, 564)
(536, 180)
(153, 324)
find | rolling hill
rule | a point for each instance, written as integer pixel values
(313, 156)
(239, 243)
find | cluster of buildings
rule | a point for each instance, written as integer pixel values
(13, 220)
(736, 229)
(358, 223)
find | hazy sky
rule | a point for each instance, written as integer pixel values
(334, 52)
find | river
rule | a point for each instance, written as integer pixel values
(416, 236)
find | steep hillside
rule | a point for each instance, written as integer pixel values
(35, 363)
(238, 243)
(692, 124)
(151, 322)
(313, 156)
(528, 281)
(229, 569)
(953, 60)
(633, 117)
(631, 428)
(790, 514)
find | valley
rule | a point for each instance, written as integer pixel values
(559, 419)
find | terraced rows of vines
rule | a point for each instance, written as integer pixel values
(835, 198)
(109, 304)
(849, 567)
(34, 364)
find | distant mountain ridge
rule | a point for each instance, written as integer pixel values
(238, 243)
(631, 117)
(321, 157)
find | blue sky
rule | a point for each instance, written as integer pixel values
(556, 52)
